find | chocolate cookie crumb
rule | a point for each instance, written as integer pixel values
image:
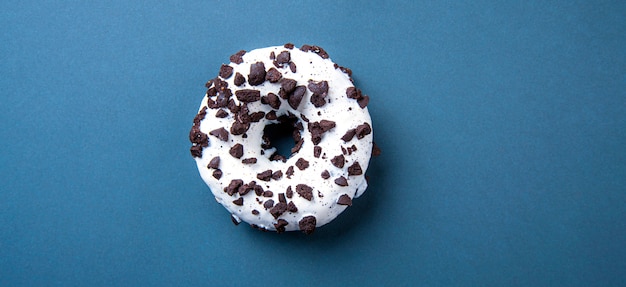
(214, 163)
(238, 201)
(236, 151)
(255, 212)
(349, 135)
(281, 197)
(280, 225)
(278, 209)
(271, 115)
(341, 181)
(355, 169)
(305, 191)
(315, 49)
(344, 199)
(268, 193)
(236, 58)
(363, 130)
(268, 204)
(289, 171)
(338, 161)
(307, 224)
(272, 100)
(226, 71)
(273, 75)
(283, 58)
(289, 192)
(233, 186)
(265, 175)
(363, 101)
(277, 175)
(251, 160)
(295, 98)
(239, 79)
(220, 133)
(289, 46)
(317, 151)
(257, 74)
(302, 164)
(325, 174)
(217, 174)
(292, 67)
(291, 207)
(248, 96)
(221, 113)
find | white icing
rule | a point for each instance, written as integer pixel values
(346, 114)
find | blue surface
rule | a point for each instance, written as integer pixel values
(503, 129)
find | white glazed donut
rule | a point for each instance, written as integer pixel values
(331, 128)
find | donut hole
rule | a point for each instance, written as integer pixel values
(283, 136)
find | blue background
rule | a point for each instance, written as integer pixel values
(503, 129)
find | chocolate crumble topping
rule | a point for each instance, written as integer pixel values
(233, 186)
(318, 128)
(349, 135)
(289, 192)
(251, 160)
(341, 181)
(272, 100)
(214, 163)
(307, 224)
(355, 169)
(238, 201)
(236, 151)
(295, 98)
(302, 164)
(257, 74)
(221, 113)
(220, 133)
(277, 175)
(273, 75)
(315, 49)
(305, 191)
(239, 79)
(291, 207)
(226, 71)
(268, 204)
(292, 67)
(236, 58)
(317, 151)
(344, 199)
(278, 209)
(283, 58)
(248, 96)
(338, 161)
(217, 174)
(280, 225)
(325, 174)
(265, 176)
(289, 171)
(363, 130)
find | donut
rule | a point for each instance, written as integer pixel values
(300, 90)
